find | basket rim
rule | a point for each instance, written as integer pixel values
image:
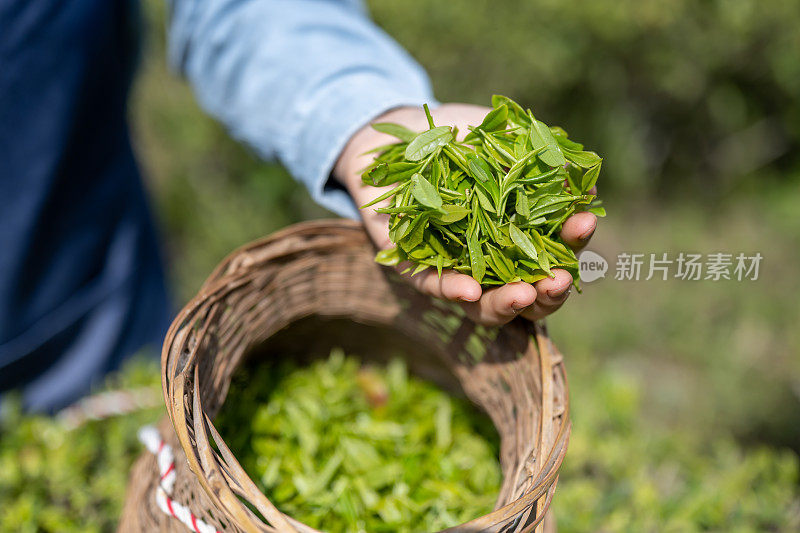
(174, 392)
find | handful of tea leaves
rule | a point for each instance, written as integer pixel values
(490, 206)
(343, 447)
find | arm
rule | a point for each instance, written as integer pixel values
(300, 80)
(294, 79)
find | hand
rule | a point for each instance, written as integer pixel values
(493, 306)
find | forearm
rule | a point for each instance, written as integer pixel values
(294, 79)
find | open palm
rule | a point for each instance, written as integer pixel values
(493, 306)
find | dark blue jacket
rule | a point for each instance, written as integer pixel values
(81, 280)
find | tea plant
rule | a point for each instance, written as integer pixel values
(53, 479)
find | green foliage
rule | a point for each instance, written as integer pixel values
(344, 448)
(694, 98)
(685, 96)
(449, 192)
(623, 473)
(56, 480)
(714, 356)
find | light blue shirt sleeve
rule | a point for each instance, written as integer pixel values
(294, 79)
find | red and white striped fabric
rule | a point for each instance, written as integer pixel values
(152, 440)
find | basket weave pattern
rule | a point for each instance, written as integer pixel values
(325, 269)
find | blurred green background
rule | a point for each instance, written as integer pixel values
(695, 106)
(685, 394)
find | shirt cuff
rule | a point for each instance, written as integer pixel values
(329, 125)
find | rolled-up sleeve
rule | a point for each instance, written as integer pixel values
(294, 79)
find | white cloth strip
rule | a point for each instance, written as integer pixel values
(182, 513)
(164, 457)
(151, 438)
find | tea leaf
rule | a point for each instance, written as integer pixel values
(521, 206)
(424, 192)
(480, 169)
(541, 137)
(451, 213)
(523, 242)
(451, 207)
(590, 178)
(476, 261)
(544, 262)
(428, 142)
(484, 201)
(580, 158)
(395, 130)
(389, 257)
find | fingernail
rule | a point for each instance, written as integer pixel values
(555, 293)
(517, 307)
(586, 235)
(465, 299)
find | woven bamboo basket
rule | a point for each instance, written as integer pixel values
(313, 286)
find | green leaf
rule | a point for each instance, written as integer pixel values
(590, 178)
(514, 110)
(563, 139)
(415, 234)
(420, 267)
(580, 158)
(400, 171)
(544, 262)
(451, 207)
(541, 137)
(534, 177)
(502, 155)
(501, 265)
(485, 202)
(424, 192)
(428, 142)
(523, 242)
(404, 225)
(376, 174)
(450, 213)
(388, 257)
(480, 169)
(395, 130)
(521, 206)
(494, 120)
(386, 195)
(516, 169)
(521, 146)
(476, 260)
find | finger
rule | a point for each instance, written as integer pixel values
(552, 293)
(578, 229)
(451, 285)
(500, 305)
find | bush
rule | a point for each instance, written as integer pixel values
(56, 480)
(622, 473)
(685, 95)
